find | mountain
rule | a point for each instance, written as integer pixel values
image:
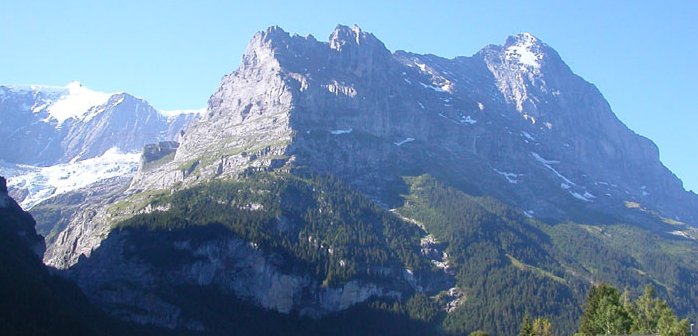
(330, 180)
(55, 129)
(505, 121)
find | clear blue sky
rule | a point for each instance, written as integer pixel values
(643, 55)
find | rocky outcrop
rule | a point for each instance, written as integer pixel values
(154, 152)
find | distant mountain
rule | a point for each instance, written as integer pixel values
(457, 194)
(65, 125)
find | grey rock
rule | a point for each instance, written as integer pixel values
(127, 285)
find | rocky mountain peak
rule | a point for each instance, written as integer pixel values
(343, 36)
(525, 49)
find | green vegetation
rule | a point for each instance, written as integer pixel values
(607, 312)
(504, 262)
(188, 167)
(315, 222)
(540, 326)
(508, 264)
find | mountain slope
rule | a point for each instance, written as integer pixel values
(488, 166)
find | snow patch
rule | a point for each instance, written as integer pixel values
(480, 106)
(548, 163)
(468, 120)
(528, 136)
(511, 177)
(523, 52)
(542, 160)
(588, 195)
(579, 197)
(435, 88)
(447, 118)
(400, 143)
(341, 131)
(681, 234)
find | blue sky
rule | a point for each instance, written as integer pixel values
(642, 55)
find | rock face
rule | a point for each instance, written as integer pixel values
(231, 265)
(75, 223)
(512, 122)
(506, 121)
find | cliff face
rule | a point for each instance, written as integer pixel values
(512, 121)
(226, 263)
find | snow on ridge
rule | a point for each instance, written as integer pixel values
(45, 182)
(77, 103)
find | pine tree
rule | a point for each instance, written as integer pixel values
(604, 313)
(526, 327)
(542, 327)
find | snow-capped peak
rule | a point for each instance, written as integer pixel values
(525, 49)
(76, 103)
